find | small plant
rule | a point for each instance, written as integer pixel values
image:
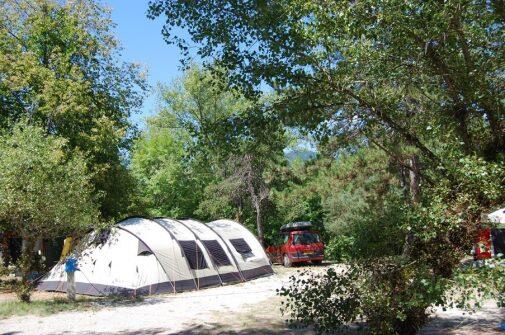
(391, 296)
(23, 291)
(4, 271)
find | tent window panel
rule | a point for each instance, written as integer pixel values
(242, 247)
(193, 254)
(217, 253)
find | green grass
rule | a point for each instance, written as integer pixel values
(57, 305)
(42, 307)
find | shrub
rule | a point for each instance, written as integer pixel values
(327, 300)
(390, 295)
(43, 192)
(339, 248)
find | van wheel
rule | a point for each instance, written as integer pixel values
(286, 261)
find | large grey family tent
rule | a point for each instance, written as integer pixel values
(149, 256)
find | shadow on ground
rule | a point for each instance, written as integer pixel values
(208, 329)
(215, 329)
(466, 324)
(222, 329)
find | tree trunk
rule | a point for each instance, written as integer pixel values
(259, 225)
(403, 173)
(415, 317)
(238, 213)
(415, 177)
(6, 256)
(415, 193)
(258, 192)
(26, 266)
(461, 115)
(497, 134)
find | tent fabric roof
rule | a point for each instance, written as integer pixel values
(148, 256)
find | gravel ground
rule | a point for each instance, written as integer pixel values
(197, 311)
(243, 309)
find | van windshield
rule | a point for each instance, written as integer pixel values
(305, 238)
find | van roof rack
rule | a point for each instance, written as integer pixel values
(300, 225)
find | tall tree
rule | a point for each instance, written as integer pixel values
(60, 67)
(44, 193)
(176, 157)
(166, 181)
(377, 67)
(208, 140)
(248, 146)
(415, 77)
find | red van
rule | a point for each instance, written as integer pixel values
(299, 244)
(482, 247)
(489, 243)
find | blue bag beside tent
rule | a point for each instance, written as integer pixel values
(71, 265)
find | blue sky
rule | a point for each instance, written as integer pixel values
(142, 42)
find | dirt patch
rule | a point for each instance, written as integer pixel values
(41, 296)
(7, 293)
(262, 318)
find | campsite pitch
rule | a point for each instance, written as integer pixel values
(209, 310)
(244, 309)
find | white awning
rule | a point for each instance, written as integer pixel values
(497, 217)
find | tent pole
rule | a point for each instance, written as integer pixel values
(180, 247)
(161, 264)
(227, 247)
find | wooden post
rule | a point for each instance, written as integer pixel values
(71, 285)
(70, 268)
